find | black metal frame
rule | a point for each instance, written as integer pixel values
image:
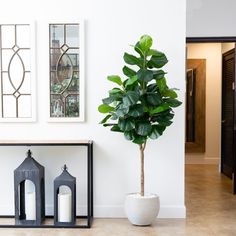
(210, 39)
(89, 216)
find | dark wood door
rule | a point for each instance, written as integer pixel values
(195, 105)
(227, 127)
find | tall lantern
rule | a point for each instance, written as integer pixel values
(65, 202)
(29, 206)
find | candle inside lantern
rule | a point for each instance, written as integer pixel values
(30, 206)
(64, 207)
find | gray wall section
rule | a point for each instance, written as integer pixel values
(211, 18)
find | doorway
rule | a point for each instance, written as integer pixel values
(218, 150)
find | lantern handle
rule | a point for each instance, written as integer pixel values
(29, 153)
(64, 168)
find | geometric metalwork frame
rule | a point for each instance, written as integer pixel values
(17, 79)
(66, 72)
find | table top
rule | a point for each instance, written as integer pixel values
(45, 142)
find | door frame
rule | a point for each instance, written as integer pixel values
(221, 39)
(211, 39)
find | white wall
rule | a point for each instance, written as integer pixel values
(227, 46)
(110, 27)
(212, 53)
(211, 18)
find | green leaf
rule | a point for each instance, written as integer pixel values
(105, 119)
(145, 75)
(152, 88)
(126, 124)
(161, 83)
(170, 93)
(104, 108)
(154, 99)
(151, 100)
(115, 78)
(160, 108)
(163, 121)
(157, 131)
(138, 49)
(129, 135)
(122, 110)
(106, 125)
(131, 81)
(157, 61)
(144, 128)
(136, 110)
(132, 60)
(164, 118)
(114, 116)
(115, 90)
(116, 128)
(154, 134)
(168, 115)
(128, 72)
(139, 139)
(158, 74)
(109, 100)
(154, 52)
(172, 102)
(145, 42)
(130, 98)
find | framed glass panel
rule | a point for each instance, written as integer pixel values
(17, 95)
(66, 72)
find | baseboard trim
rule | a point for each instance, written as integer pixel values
(172, 212)
(110, 211)
(118, 212)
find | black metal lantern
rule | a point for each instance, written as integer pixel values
(65, 203)
(31, 170)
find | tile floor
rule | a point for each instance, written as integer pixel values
(211, 211)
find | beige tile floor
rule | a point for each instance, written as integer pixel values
(211, 211)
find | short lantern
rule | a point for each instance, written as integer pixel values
(65, 202)
(29, 206)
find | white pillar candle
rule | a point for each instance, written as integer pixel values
(64, 207)
(30, 206)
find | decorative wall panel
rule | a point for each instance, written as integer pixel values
(66, 93)
(16, 78)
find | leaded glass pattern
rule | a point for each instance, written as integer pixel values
(64, 70)
(15, 68)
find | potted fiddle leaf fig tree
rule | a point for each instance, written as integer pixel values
(140, 107)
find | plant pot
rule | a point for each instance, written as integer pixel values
(142, 210)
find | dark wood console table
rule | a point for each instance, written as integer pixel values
(83, 221)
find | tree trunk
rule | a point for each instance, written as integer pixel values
(141, 148)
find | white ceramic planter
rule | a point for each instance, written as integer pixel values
(142, 210)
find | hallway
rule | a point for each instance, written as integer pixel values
(211, 208)
(211, 211)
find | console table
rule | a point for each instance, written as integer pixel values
(83, 221)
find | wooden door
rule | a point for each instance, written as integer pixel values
(195, 106)
(228, 117)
